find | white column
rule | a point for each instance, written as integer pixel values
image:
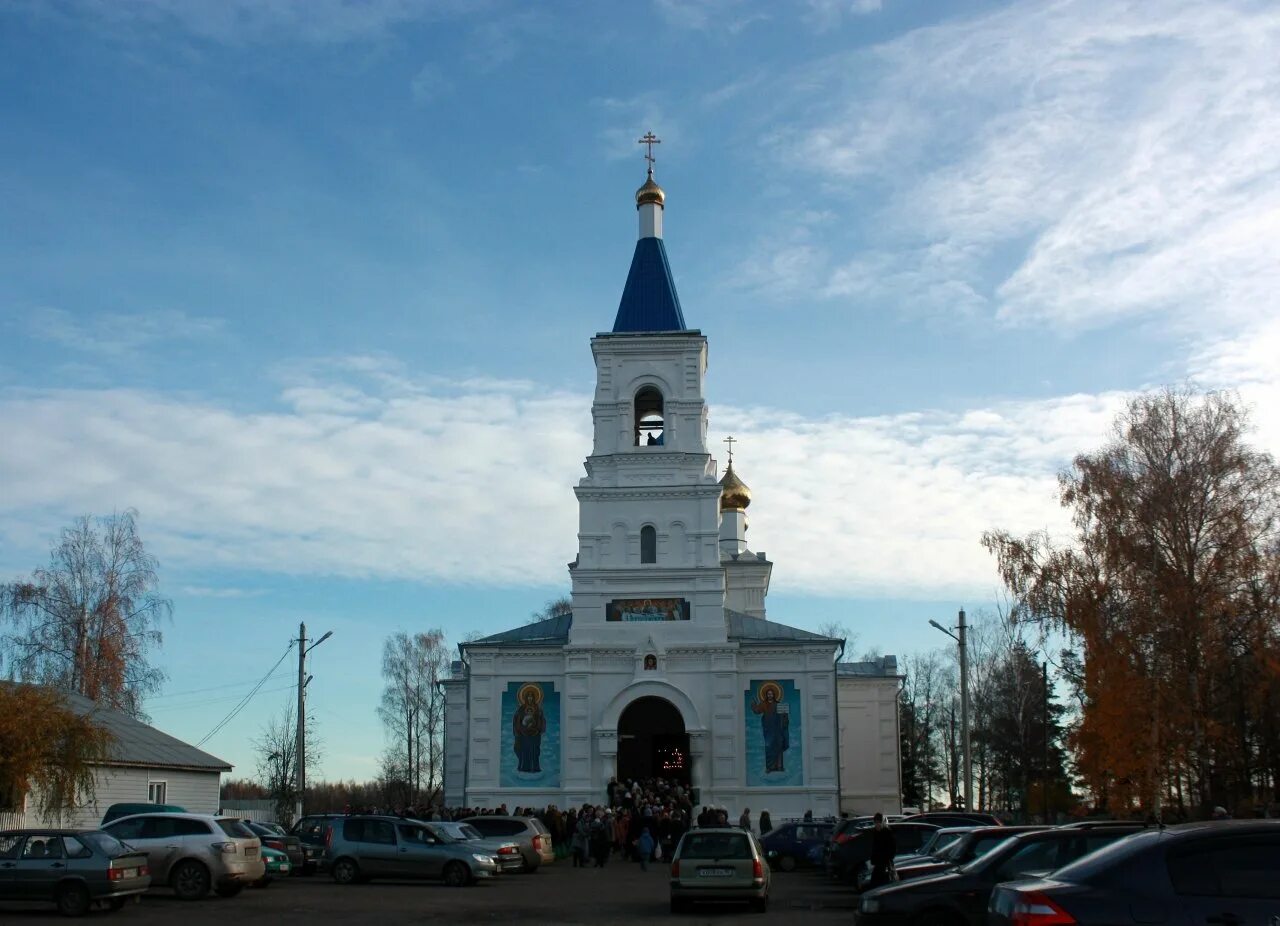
(650, 220)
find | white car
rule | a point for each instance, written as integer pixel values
(193, 852)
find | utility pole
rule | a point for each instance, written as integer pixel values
(963, 645)
(964, 713)
(1044, 670)
(301, 747)
(301, 750)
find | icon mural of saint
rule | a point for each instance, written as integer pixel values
(775, 724)
(527, 727)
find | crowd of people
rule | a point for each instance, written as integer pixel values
(640, 821)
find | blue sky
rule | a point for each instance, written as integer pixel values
(310, 285)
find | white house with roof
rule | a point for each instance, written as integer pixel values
(145, 766)
(668, 664)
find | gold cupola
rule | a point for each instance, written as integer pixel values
(734, 493)
(650, 192)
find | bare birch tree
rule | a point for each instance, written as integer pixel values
(88, 622)
(412, 709)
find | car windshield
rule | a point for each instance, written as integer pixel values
(107, 844)
(235, 829)
(982, 854)
(716, 846)
(440, 833)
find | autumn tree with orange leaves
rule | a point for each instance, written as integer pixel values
(1170, 596)
(88, 622)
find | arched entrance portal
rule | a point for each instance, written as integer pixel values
(652, 741)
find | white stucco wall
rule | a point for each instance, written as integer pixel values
(870, 765)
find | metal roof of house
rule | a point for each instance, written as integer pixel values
(135, 743)
(747, 629)
(554, 630)
(884, 667)
(649, 300)
(742, 628)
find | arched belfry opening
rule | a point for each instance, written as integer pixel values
(652, 741)
(648, 544)
(650, 424)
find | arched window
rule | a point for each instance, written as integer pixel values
(648, 544)
(650, 663)
(649, 421)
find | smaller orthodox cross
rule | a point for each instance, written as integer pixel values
(650, 139)
(730, 441)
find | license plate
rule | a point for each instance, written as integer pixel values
(128, 872)
(250, 850)
(715, 872)
(284, 867)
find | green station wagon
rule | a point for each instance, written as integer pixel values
(74, 869)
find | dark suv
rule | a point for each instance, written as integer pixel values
(310, 832)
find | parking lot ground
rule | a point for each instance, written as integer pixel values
(559, 893)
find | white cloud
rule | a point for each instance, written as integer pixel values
(379, 476)
(1069, 164)
(118, 333)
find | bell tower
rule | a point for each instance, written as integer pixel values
(648, 560)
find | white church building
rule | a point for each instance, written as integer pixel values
(668, 664)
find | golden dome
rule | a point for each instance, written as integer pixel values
(734, 494)
(650, 193)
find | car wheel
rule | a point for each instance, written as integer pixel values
(229, 890)
(115, 904)
(760, 905)
(261, 883)
(73, 900)
(678, 906)
(345, 871)
(190, 880)
(456, 874)
(787, 863)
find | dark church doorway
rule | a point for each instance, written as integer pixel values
(652, 741)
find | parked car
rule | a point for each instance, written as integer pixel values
(934, 846)
(310, 832)
(956, 818)
(74, 869)
(848, 859)
(528, 833)
(360, 848)
(505, 852)
(275, 864)
(972, 845)
(274, 837)
(1215, 872)
(193, 852)
(116, 811)
(716, 865)
(789, 845)
(960, 896)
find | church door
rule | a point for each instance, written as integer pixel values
(652, 742)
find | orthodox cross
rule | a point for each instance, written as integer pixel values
(730, 441)
(650, 139)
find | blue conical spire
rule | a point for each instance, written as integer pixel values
(649, 300)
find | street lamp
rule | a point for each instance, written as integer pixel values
(303, 678)
(964, 705)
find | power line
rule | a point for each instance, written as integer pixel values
(179, 694)
(244, 702)
(199, 702)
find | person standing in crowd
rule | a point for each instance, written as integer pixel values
(644, 848)
(744, 821)
(883, 848)
(601, 838)
(766, 823)
(582, 837)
